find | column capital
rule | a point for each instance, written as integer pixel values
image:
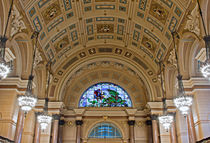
(56, 116)
(61, 122)
(154, 117)
(79, 122)
(148, 122)
(131, 122)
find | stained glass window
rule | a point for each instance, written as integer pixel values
(105, 95)
(105, 130)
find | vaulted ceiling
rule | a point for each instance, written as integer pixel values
(136, 31)
(140, 25)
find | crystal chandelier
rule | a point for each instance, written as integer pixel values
(182, 101)
(5, 67)
(28, 101)
(44, 119)
(205, 67)
(166, 119)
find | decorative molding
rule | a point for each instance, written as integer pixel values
(17, 24)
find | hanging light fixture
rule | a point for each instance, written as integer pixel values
(182, 101)
(166, 119)
(44, 119)
(5, 67)
(28, 101)
(205, 67)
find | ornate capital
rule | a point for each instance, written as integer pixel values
(61, 122)
(56, 116)
(154, 117)
(148, 122)
(131, 122)
(79, 122)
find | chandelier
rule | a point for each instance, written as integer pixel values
(166, 119)
(44, 119)
(28, 101)
(5, 67)
(205, 67)
(182, 101)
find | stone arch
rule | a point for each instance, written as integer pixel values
(148, 85)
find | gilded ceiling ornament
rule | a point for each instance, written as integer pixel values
(148, 44)
(61, 44)
(105, 28)
(158, 12)
(193, 23)
(51, 12)
(17, 24)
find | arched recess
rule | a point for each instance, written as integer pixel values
(132, 85)
(62, 79)
(170, 77)
(104, 130)
(24, 51)
(188, 48)
(92, 125)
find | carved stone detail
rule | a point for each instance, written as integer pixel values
(172, 58)
(17, 24)
(38, 58)
(193, 23)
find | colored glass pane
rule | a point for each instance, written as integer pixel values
(105, 95)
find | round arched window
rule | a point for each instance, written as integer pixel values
(105, 95)
(105, 130)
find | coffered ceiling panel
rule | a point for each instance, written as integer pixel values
(143, 26)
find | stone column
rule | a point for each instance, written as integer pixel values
(19, 127)
(60, 133)
(37, 131)
(173, 132)
(78, 135)
(131, 124)
(191, 128)
(55, 128)
(149, 126)
(155, 129)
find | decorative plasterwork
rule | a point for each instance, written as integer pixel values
(17, 24)
(38, 58)
(193, 22)
(172, 59)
